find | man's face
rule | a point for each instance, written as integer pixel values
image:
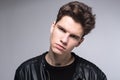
(65, 35)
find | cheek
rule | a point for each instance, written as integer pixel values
(54, 36)
(72, 45)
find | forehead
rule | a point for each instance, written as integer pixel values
(70, 25)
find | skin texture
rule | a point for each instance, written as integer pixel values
(66, 34)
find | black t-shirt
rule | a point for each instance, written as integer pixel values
(61, 73)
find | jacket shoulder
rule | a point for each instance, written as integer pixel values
(89, 68)
(28, 63)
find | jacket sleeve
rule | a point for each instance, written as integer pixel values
(98, 74)
(103, 76)
(19, 75)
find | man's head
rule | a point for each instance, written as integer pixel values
(80, 12)
(74, 21)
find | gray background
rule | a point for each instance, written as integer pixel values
(24, 33)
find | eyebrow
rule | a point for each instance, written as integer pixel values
(70, 34)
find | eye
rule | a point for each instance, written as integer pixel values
(61, 29)
(74, 37)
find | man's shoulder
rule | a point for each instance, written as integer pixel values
(84, 62)
(30, 62)
(87, 65)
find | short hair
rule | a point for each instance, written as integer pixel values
(80, 12)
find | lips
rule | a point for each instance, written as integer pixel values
(60, 47)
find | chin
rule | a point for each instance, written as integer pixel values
(58, 52)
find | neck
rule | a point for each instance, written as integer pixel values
(59, 60)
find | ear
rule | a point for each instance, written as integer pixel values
(52, 27)
(80, 42)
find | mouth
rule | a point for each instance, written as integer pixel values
(60, 47)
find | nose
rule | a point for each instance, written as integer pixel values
(64, 39)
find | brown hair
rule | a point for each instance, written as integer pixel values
(80, 12)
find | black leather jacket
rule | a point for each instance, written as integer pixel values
(34, 69)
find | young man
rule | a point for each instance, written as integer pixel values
(74, 21)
